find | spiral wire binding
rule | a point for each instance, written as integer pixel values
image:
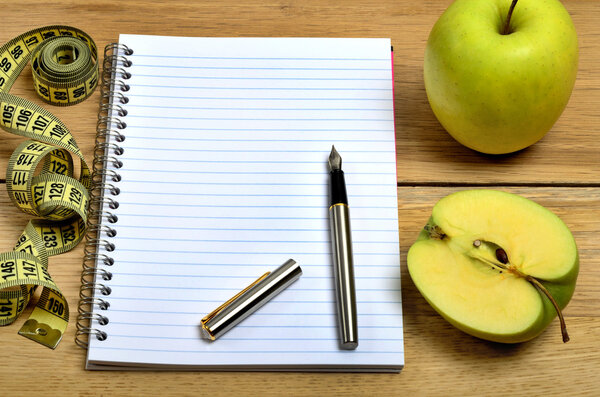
(104, 189)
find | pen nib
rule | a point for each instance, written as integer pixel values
(335, 160)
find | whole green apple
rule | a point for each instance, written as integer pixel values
(495, 265)
(498, 83)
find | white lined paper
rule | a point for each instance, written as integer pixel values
(225, 177)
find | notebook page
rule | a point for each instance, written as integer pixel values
(225, 177)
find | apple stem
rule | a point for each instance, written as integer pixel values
(563, 325)
(510, 11)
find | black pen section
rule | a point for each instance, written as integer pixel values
(338, 188)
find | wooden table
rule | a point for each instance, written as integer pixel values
(561, 172)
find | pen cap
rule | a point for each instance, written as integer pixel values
(249, 300)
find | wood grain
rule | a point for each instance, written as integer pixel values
(440, 360)
(426, 153)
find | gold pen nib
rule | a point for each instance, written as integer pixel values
(335, 160)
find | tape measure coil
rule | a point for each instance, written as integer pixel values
(64, 70)
(41, 176)
(103, 192)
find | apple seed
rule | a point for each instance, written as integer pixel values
(501, 255)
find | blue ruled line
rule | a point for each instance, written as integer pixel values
(254, 314)
(258, 326)
(253, 172)
(250, 241)
(179, 87)
(260, 195)
(228, 217)
(248, 140)
(178, 160)
(262, 109)
(248, 206)
(353, 352)
(255, 68)
(265, 151)
(253, 277)
(255, 183)
(246, 339)
(265, 78)
(276, 130)
(395, 302)
(259, 217)
(250, 229)
(257, 98)
(253, 253)
(246, 119)
(237, 289)
(136, 55)
(168, 138)
(237, 264)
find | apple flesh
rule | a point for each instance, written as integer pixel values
(498, 93)
(480, 256)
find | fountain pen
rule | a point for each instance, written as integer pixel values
(343, 266)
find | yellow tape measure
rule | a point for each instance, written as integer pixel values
(40, 177)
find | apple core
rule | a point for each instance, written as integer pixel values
(495, 265)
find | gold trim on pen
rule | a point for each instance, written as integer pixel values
(224, 305)
(344, 204)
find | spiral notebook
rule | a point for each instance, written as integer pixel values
(214, 154)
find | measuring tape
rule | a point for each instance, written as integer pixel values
(40, 177)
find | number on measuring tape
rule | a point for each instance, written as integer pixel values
(39, 177)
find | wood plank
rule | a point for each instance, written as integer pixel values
(439, 358)
(467, 365)
(569, 154)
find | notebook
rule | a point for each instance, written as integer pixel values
(218, 148)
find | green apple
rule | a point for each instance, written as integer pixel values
(495, 91)
(496, 265)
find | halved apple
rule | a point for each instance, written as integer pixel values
(495, 265)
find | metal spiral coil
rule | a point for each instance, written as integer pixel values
(116, 58)
(112, 49)
(120, 72)
(109, 134)
(83, 333)
(101, 214)
(103, 174)
(94, 286)
(105, 201)
(111, 108)
(115, 95)
(95, 301)
(91, 259)
(102, 320)
(99, 162)
(117, 150)
(111, 121)
(105, 274)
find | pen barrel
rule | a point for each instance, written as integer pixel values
(251, 300)
(343, 268)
